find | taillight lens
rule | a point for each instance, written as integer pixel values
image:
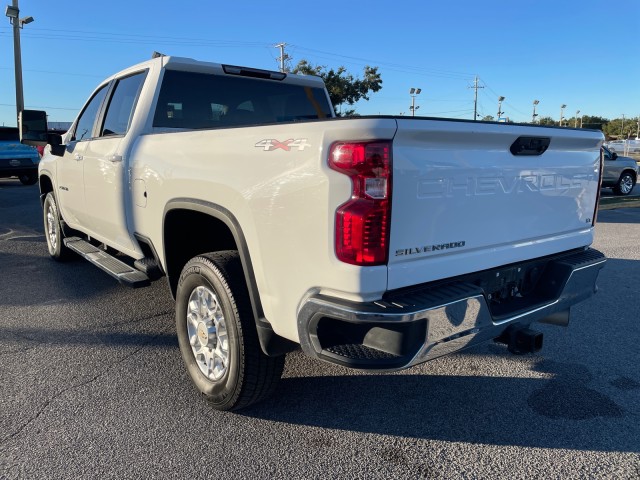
(362, 223)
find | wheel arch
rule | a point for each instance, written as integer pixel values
(46, 185)
(179, 248)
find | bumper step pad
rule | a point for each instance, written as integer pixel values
(119, 270)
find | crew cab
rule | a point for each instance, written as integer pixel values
(376, 243)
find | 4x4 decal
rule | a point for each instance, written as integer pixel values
(271, 144)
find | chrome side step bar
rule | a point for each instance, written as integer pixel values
(122, 272)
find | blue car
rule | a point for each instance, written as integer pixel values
(17, 160)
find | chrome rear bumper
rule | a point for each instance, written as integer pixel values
(415, 325)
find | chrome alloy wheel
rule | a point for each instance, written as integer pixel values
(207, 332)
(626, 184)
(52, 226)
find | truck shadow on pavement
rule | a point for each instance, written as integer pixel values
(49, 281)
(561, 412)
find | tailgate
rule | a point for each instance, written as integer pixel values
(462, 202)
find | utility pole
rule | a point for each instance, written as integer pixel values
(13, 12)
(622, 128)
(562, 107)
(575, 125)
(475, 99)
(283, 56)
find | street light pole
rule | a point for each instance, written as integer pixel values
(413, 92)
(500, 112)
(562, 107)
(533, 118)
(575, 125)
(13, 12)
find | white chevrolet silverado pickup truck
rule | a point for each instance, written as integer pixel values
(376, 243)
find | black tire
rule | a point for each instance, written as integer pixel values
(249, 375)
(53, 230)
(625, 184)
(28, 178)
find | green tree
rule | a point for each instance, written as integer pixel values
(547, 121)
(594, 122)
(342, 86)
(615, 128)
(488, 118)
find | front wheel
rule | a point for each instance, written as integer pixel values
(625, 184)
(53, 229)
(217, 333)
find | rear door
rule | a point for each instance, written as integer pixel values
(463, 201)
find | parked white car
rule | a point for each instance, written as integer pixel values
(624, 147)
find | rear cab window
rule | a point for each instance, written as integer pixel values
(122, 105)
(200, 100)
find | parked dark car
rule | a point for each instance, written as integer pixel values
(620, 173)
(17, 160)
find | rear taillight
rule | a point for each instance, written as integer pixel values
(362, 223)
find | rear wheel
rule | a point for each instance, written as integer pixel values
(53, 229)
(625, 184)
(217, 333)
(28, 178)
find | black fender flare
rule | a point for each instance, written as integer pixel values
(272, 344)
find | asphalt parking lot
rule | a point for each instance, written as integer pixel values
(93, 386)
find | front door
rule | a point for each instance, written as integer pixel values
(70, 168)
(106, 178)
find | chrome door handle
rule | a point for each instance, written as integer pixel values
(77, 156)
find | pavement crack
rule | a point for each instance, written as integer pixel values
(136, 320)
(43, 408)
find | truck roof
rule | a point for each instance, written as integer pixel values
(192, 65)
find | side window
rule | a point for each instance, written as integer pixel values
(84, 127)
(122, 104)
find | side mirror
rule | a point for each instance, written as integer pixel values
(34, 131)
(33, 127)
(614, 155)
(57, 148)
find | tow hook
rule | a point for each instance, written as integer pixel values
(521, 339)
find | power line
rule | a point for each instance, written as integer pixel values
(129, 37)
(390, 65)
(506, 103)
(59, 73)
(41, 107)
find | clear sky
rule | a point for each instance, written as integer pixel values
(582, 53)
